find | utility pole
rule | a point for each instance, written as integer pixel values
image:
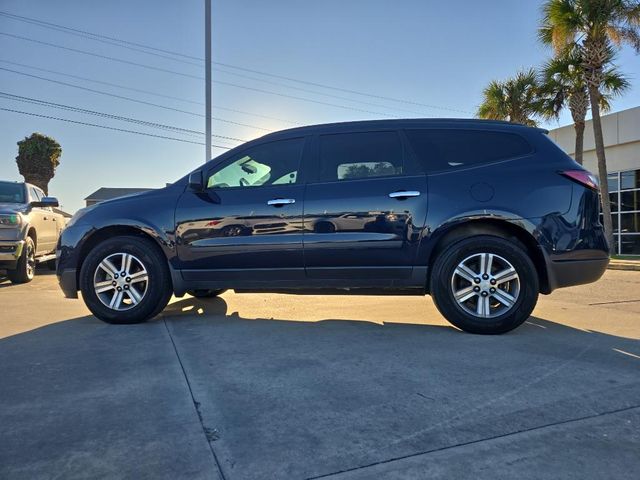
(207, 76)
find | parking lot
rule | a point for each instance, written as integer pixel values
(280, 386)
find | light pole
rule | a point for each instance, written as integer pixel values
(207, 76)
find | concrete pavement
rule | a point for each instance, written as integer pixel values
(281, 386)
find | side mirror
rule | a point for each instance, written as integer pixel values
(46, 202)
(196, 181)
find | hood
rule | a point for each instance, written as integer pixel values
(13, 208)
(129, 196)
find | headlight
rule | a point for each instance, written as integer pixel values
(10, 219)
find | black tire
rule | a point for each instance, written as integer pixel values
(158, 289)
(26, 267)
(201, 293)
(443, 294)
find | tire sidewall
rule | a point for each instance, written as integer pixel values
(21, 272)
(158, 288)
(444, 298)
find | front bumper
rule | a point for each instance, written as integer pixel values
(68, 283)
(10, 252)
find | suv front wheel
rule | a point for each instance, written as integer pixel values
(125, 280)
(485, 284)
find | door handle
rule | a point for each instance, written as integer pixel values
(278, 202)
(404, 194)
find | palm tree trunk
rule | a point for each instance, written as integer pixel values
(579, 127)
(594, 97)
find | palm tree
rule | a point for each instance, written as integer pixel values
(563, 85)
(514, 99)
(593, 27)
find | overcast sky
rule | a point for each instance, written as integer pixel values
(438, 55)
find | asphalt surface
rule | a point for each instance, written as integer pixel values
(343, 387)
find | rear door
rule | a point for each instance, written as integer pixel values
(364, 209)
(247, 225)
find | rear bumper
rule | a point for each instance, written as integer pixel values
(68, 283)
(566, 273)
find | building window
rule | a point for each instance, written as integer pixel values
(624, 192)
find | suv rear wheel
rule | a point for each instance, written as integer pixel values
(484, 284)
(125, 280)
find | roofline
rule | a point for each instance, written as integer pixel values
(399, 123)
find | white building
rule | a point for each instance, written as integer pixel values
(621, 133)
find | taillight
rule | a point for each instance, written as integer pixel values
(582, 177)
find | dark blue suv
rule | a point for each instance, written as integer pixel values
(481, 215)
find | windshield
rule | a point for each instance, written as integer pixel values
(11, 193)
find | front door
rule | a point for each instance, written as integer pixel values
(246, 226)
(365, 208)
(43, 218)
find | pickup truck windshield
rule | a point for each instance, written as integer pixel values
(11, 193)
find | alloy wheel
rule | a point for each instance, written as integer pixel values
(485, 285)
(121, 281)
(31, 261)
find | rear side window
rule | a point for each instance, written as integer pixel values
(450, 149)
(35, 194)
(350, 156)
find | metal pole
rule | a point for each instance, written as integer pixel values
(207, 76)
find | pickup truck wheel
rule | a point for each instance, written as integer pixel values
(26, 267)
(125, 280)
(201, 293)
(484, 284)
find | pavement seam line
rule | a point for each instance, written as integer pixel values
(193, 400)
(472, 442)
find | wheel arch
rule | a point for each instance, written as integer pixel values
(110, 231)
(33, 234)
(500, 227)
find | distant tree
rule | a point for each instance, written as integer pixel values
(361, 170)
(515, 99)
(38, 157)
(563, 86)
(593, 27)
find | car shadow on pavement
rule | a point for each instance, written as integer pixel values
(292, 399)
(40, 271)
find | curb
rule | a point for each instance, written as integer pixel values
(622, 265)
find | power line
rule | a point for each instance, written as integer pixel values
(110, 128)
(122, 97)
(45, 103)
(160, 95)
(49, 24)
(128, 44)
(114, 117)
(105, 57)
(165, 70)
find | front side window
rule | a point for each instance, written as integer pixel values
(273, 163)
(440, 149)
(349, 156)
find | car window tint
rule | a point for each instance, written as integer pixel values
(348, 156)
(273, 163)
(450, 149)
